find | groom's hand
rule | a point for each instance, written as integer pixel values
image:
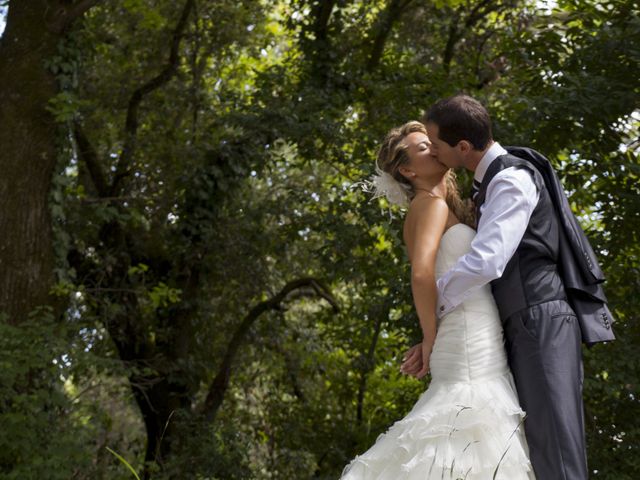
(412, 360)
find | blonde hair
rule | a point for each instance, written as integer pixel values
(393, 154)
(463, 209)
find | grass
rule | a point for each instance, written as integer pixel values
(126, 464)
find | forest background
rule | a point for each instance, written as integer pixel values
(188, 277)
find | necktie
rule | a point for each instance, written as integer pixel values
(475, 189)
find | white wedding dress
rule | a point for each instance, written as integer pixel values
(468, 423)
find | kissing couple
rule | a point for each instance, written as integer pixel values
(505, 291)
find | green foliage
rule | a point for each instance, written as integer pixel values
(40, 435)
(242, 179)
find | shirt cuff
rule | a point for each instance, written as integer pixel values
(443, 308)
(442, 305)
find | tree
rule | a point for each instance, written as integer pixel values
(28, 155)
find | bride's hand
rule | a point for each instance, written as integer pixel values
(412, 360)
(425, 348)
(416, 360)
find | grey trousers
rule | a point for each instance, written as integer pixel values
(544, 350)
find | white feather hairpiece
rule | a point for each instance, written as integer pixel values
(382, 184)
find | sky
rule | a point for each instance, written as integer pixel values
(3, 13)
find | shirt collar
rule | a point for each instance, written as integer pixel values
(490, 155)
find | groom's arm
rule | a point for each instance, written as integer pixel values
(511, 198)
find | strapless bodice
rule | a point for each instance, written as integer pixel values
(455, 242)
(469, 343)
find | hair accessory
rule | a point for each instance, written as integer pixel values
(383, 184)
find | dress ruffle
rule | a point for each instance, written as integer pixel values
(459, 430)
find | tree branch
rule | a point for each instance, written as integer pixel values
(88, 155)
(385, 23)
(110, 199)
(80, 8)
(322, 14)
(369, 364)
(452, 40)
(477, 13)
(67, 14)
(315, 39)
(221, 381)
(131, 123)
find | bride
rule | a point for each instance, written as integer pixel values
(468, 423)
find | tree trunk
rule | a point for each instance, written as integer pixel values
(27, 160)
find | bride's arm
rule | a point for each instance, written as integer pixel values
(424, 226)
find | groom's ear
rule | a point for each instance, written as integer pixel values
(465, 146)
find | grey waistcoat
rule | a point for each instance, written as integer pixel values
(531, 276)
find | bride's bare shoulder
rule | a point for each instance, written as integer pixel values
(423, 206)
(423, 210)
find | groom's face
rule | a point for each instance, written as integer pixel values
(446, 154)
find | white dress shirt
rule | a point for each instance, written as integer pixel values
(510, 200)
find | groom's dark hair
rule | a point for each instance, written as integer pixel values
(461, 118)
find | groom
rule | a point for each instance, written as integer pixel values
(544, 277)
